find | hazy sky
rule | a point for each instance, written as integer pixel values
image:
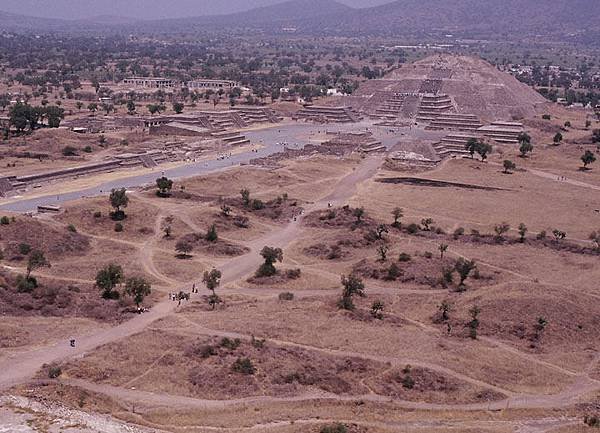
(145, 9)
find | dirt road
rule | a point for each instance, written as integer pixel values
(21, 367)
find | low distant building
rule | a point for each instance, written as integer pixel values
(151, 82)
(335, 92)
(212, 85)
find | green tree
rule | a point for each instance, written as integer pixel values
(484, 149)
(500, 230)
(243, 366)
(211, 234)
(397, 213)
(508, 166)
(108, 108)
(588, 158)
(380, 230)
(559, 235)
(382, 250)
(93, 107)
(95, 84)
(377, 309)
(153, 108)
(472, 146)
(558, 138)
(164, 186)
(271, 256)
(178, 107)
(464, 268)
(108, 278)
(525, 147)
(442, 248)
(353, 286)
(167, 226)
(245, 193)
(35, 261)
(426, 223)
(474, 323)
(54, 115)
(138, 288)
(212, 280)
(522, 232)
(358, 213)
(539, 328)
(225, 210)
(130, 107)
(184, 248)
(118, 200)
(445, 308)
(23, 115)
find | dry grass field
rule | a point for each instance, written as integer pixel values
(513, 349)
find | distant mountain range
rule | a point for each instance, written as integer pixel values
(514, 18)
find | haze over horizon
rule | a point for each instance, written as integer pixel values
(144, 9)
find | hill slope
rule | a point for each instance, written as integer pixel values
(501, 17)
(292, 12)
(487, 18)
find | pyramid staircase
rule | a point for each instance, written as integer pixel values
(432, 106)
(329, 114)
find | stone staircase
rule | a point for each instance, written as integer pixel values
(432, 106)
(502, 132)
(391, 107)
(453, 145)
(231, 138)
(372, 146)
(455, 122)
(324, 114)
(148, 161)
(253, 115)
(410, 106)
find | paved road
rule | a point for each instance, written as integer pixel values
(295, 135)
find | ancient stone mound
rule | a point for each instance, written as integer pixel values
(446, 85)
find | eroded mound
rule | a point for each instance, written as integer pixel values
(25, 234)
(221, 368)
(420, 384)
(225, 368)
(53, 298)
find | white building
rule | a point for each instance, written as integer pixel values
(212, 85)
(151, 82)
